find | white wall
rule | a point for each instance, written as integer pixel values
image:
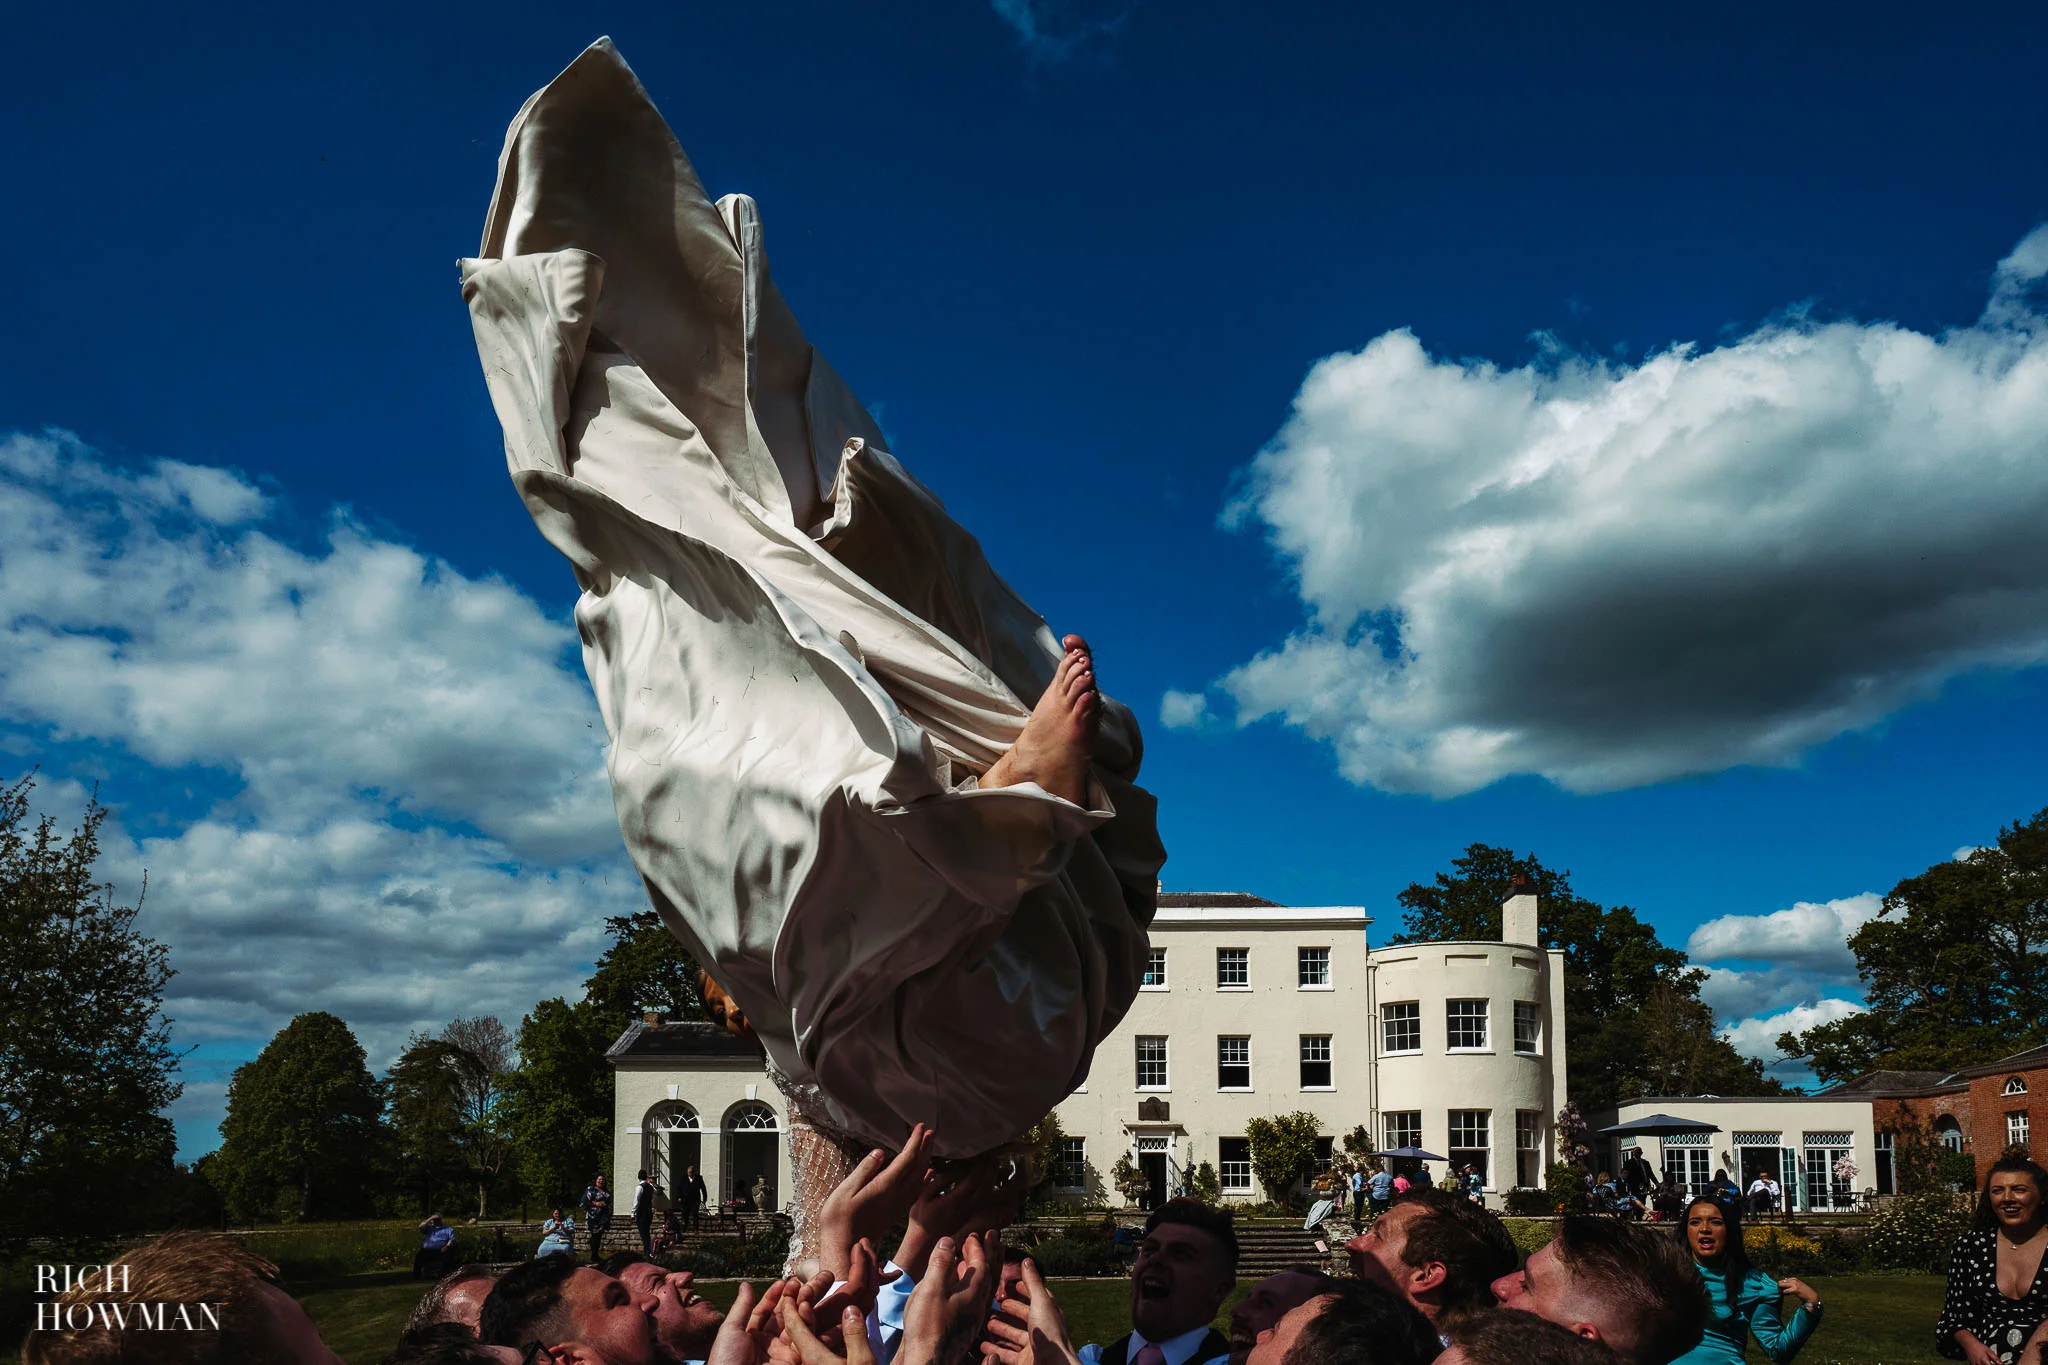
(1793, 1118)
(713, 1089)
(1273, 1010)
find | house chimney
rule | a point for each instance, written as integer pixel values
(651, 1018)
(1518, 915)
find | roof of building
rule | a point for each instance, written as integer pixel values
(2019, 1061)
(1887, 1082)
(681, 1038)
(1235, 898)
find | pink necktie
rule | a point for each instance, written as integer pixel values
(1149, 1354)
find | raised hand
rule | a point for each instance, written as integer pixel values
(1034, 1333)
(972, 1196)
(946, 1310)
(874, 1197)
(811, 1349)
(749, 1329)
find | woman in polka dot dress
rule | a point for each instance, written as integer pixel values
(1997, 1302)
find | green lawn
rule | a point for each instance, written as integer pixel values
(1872, 1319)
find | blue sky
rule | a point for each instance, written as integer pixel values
(1615, 435)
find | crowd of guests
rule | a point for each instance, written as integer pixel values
(1436, 1278)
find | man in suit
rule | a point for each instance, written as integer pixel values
(1636, 1173)
(691, 1196)
(643, 1213)
(1186, 1268)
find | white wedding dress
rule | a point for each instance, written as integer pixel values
(802, 661)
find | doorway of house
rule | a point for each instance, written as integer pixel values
(673, 1143)
(1152, 1165)
(751, 1143)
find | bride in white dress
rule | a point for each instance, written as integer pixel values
(867, 788)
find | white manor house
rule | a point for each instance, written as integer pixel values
(1249, 1009)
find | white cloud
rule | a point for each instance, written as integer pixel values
(1809, 936)
(1612, 574)
(1962, 854)
(364, 669)
(1183, 710)
(416, 822)
(1758, 1038)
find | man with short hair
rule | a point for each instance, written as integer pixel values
(1436, 1249)
(685, 1322)
(1634, 1289)
(1186, 1268)
(597, 1209)
(1637, 1174)
(691, 1196)
(1379, 1191)
(554, 1300)
(1272, 1299)
(260, 1324)
(1357, 1323)
(1504, 1338)
(643, 1213)
(456, 1297)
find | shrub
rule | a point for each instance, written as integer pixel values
(1205, 1185)
(1566, 1186)
(1526, 1203)
(1283, 1151)
(1530, 1234)
(1914, 1231)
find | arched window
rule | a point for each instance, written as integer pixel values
(751, 1117)
(2015, 1086)
(1949, 1133)
(671, 1116)
(670, 1143)
(750, 1156)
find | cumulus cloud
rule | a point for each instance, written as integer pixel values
(1809, 936)
(1182, 710)
(1802, 970)
(1758, 1038)
(408, 817)
(142, 608)
(1610, 574)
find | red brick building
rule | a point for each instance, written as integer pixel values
(1981, 1109)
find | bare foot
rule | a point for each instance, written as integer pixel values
(1053, 750)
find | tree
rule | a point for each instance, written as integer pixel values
(483, 1056)
(1283, 1151)
(1955, 966)
(304, 1132)
(645, 968)
(420, 1090)
(1623, 987)
(86, 1063)
(558, 1104)
(1047, 1141)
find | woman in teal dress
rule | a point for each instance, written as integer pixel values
(1745, 1299)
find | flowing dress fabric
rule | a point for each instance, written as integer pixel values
(802, 662)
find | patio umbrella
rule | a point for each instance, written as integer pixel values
(1416, 1152)
(1659, 1125)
